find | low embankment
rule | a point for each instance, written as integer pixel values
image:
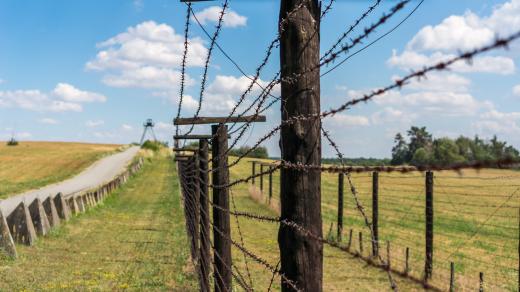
(26, 216)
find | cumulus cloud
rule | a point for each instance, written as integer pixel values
(212, 14)
(516, 90)
(96, 123)
(127, 127)
(495, 122)
(64, 97)
(440, 82)
(486, 64)
(342, 120)
(70, 93)
(392, 115)
(462, 32)
(48, 121)
(148, 56)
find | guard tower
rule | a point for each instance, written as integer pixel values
(148, 125)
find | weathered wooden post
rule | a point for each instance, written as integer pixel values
(407, 262)
(375, 213)
(196, 206)
(428, 265)
(261, 177)
(481, 282)
(341, 183)
(452, 277)
(253, 169)
(270, 184)
(221, 228)
(205, 244)
(301, 256)
(360, 243)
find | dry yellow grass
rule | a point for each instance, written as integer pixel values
(34, 164)
(476, 227)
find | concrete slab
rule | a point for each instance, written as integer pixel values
(39, 217)
(6, 240)
(62, 207)
(52, 213)
(21, 226)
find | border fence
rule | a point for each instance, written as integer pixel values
(422, 223)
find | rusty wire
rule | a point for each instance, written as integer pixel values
(183, 63)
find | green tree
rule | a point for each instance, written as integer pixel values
(421, 157)
(446, 151)
(399, 151)
(419, 138)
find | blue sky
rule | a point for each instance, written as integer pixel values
(92, 70)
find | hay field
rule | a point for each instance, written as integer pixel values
(476, 219)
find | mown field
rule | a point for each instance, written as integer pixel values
(134, 241)
(31, 165)
(476, 219)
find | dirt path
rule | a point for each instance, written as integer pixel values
(97, 174)
(135, 241)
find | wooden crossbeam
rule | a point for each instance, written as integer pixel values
(185, 149)
(218, 120)
(192, 137)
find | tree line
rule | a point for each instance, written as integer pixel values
(420, 148)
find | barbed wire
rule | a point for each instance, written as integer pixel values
(183, 64)
(208, 58)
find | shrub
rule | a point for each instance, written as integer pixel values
(153, 145)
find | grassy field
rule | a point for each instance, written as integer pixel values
(135, 241)
(31, 165)
(475, 226)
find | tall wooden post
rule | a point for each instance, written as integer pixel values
(205, 244)
(270, 184)
(221, 228)
(261, 177)
(428, 264)
(253, 168)
(341, 183)
(195, 207)
(301, 256)
(375, 213)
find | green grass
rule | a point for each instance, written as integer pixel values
(31, 165)
(134, 241)
(469, 228)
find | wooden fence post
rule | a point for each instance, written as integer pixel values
(481, 282)
(196, 207)
(221, 222)
(375, 213)
(428, 265)
(301, 256)
(341, 183)
(261, 177)
(452, 277)
(407, 261)
(205, 244)
(270, 184)
(253, 169)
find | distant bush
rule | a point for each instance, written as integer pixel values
(12, 142)
(259, 152)
(154, 145)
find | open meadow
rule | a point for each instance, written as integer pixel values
(476, 221)
(31, 165)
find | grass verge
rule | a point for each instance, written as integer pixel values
(135, 241)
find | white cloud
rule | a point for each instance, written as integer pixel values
(127, 127)
(440, 103)
(468, 31)
(35, 100)
(146, 77)
(495, 122)
(341, 120)
(147, 55)
(516, 90)
(212, 14)
(48, 121)
(223, 93)
(486, 64)
(96, 123)
(70, 93)
(392, 115)
(440, 82)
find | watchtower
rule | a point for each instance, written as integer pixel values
(148, 125)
